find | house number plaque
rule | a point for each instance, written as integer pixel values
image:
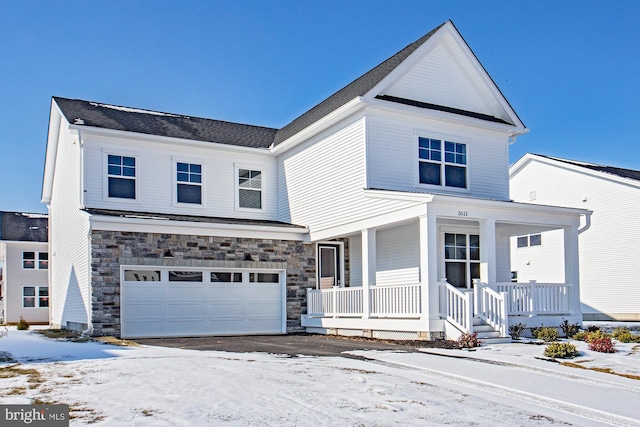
(462, 213)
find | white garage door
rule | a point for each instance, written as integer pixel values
(181, 302)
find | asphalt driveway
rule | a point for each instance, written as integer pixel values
(292, 345)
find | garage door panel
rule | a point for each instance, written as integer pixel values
(196, 309)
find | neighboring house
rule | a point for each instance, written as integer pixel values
(24, 268)
(346, 220)
(609, 244)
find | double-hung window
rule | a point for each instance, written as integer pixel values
(35, 296)
(442, 162)
(121, 176)
(249, 189)
(35, 260)
(189, 183)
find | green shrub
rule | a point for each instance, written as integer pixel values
(23, 325)
(602, 345)
(468, 341)
(561, 350)
(569, 329)
(580, 336)
(596, 335)
(547, 334)
(516, 330)
(625, 335)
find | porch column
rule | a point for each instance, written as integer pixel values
(572, 267)
(430, 287)
(488, 251)
(368, 268)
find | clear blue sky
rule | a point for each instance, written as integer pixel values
(570, 69)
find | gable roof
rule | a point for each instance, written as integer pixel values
(24, 227)
(621, 172)
(78, 112)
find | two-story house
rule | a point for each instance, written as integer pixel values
(382, 211)
(24, 268)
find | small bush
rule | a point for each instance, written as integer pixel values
(569, 329)
(596, 335)
(547, 334)
(625, 335)
(602, 345)
(468, 341)
(593, 328)
(580, 336)
(561, 350)
(516, 330)
(23, 325)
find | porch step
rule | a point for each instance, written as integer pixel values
(486, 332)
(496, 340)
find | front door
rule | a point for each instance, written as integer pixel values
(328, 266)
(461, 258)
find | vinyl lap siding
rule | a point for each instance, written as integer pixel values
(393, 157)
(156, 181)
(69, 244)
(15, 278)
(608, 249)
(398, 255)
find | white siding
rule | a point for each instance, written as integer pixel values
(15, 278)
(445, 76)
(392, 156)
(321, 184)
(503, 261)
(398, 255)
(68, 234)
(156, 180)
(544, 263)
(355, 260)
(608, 249)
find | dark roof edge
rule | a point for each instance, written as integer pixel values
(190, 218)
(612, 170)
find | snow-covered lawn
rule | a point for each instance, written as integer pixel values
(155, 386)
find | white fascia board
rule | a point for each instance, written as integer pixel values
(197, 228)
(53, 137)
(381, 220)
(91, 130)
(329, 120)
(21, 242)
(528, 157)
(399, 195)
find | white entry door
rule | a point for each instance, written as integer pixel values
(328, 266)
(181, 303)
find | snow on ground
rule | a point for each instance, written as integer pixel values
(156, 386)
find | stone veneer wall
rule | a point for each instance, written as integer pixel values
(110, 249)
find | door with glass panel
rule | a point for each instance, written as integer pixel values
(328, 266)
(461, 258)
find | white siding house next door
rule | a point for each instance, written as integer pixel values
(185, 302)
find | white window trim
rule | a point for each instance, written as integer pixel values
(105, 175)
(36, 260)
(341, 256)
(36, 296)
(442, 137)
(528, 245)
(174, 182)
(236, 175)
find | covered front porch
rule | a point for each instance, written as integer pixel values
(445, 272)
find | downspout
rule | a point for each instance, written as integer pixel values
(587, 224)
(89, 331)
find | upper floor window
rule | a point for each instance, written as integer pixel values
(121, 175)
(530, 240)
(189, 183)
(35, 260)
(249, 189)
(442, 162)
(35, 296)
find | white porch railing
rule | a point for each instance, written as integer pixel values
(402, 301)
(491, 306)
(342, 302)
(532, 299)
(395, 301)
(457, 306)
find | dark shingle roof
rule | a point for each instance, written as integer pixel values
(164, 124)
(621, 172)
(24, 227)
(358, 87)
(189, 218)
